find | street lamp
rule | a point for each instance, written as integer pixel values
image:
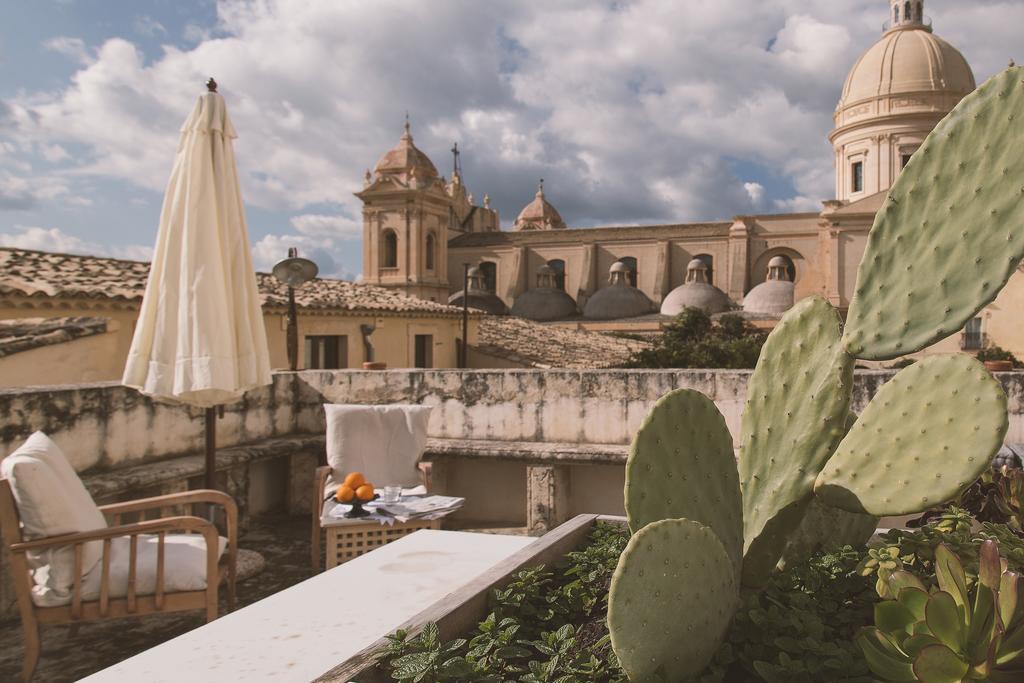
(294, 272)
(464, 351)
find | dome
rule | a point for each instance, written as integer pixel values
(539, 214)
(908, 59)
(696, 292)
(619, 299)
(545, 302)
(406, 159)
(775, 295)
(479, 296)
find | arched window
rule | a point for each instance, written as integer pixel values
(490, 272)
(558, 265)
(895, 14)
(920, 12)
(630, 263)
(709, 261)
(389, 249)
(431, 250)
(907, 12)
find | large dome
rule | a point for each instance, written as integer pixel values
(539, 214)
(546, 301)
(908, 59)
(619, 299)
(696, 292)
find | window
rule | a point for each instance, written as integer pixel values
(920, 12)
(389, 250)
(489, 270)
(857, 171)
(709, 261)
(904, 160)
(906, 12)
(973, 338)
(630, 263)
(431, 248)
(896, 14)
(558, 265)
(424, 350)
(328, 352)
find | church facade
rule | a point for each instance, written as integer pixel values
(895, 94)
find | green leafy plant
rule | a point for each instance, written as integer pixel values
(997, 496)
(693, 341)
(998, 353)
(950, 633)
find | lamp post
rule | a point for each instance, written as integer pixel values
(294, 272)
(464, 350)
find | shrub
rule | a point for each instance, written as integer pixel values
(692, 340)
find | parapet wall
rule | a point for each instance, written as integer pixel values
(103, 426)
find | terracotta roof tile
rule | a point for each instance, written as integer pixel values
(23, 334)
(45, 274)
(549, 346)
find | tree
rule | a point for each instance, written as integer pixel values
(692, 340)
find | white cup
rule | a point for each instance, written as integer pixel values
(391, 494)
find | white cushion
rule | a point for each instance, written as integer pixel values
(184, 568)
(383, 442)
(52, 500)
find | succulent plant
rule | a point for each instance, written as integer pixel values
(948, 237)
(681, 465)
(672, 597)
(942, 635)
(903, 454)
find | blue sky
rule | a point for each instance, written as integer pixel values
(633, 112)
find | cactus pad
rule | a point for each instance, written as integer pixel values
(948, 237)
(671, 599)
(797, 404)
(681, 464)
(926, 435)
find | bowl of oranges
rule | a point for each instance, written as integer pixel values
(355, 491)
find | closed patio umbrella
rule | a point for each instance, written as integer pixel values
(200, 337)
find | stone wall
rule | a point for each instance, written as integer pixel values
(104, 426)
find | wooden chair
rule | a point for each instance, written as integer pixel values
(107, 607)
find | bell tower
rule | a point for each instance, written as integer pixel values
(405, 219)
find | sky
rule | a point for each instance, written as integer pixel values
(651, 111)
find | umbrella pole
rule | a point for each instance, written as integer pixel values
(211, 448)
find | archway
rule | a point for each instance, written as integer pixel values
(389, 249)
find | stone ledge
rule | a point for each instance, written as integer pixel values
(108, 484)
(530, 452)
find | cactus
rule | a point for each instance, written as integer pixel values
(825, 527)
(906, 452)
(797, 403)
(964, 190)
(941, 635)
(672, 597)
(681, 465)
(948, 237)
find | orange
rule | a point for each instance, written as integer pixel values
(365, 492)
(354, 480)
(345, 494)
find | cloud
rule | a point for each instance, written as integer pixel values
(70, 47)
(632, 112)
(54, 239)
(148, 26)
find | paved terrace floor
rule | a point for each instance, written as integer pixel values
(284, 543)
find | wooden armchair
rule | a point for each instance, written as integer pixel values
(106, 606)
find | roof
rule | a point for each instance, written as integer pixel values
(868, 205)
(41, 274)
(24, 334)
(549, 346)
(404, 157)
(589, 235)
(539, 214)
(907, 59)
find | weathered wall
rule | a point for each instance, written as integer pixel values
(105, 425)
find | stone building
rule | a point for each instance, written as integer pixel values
(896, 92)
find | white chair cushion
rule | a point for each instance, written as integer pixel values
(383, 442)
(52, 500)
(184, 568)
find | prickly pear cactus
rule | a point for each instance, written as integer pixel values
(681, 464)
(672, 597)
(798, 400)
(949, 235)
(824, 527)
(926, 435)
